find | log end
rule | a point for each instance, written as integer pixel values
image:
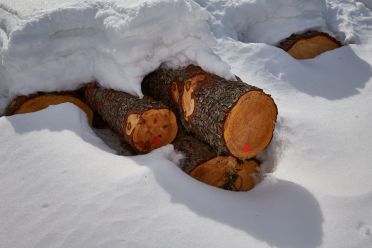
(249, 125)
(40, 102)
(228, 173)
(309, 45)
(151, 129)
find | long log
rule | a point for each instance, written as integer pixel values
(39, 101)
(204, 164)
(143, 123)
(232, 116)
(309, 44)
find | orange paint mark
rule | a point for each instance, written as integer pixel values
(155, 139)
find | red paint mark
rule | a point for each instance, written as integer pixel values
(246, 148)
(155, 140)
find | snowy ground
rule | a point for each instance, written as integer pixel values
(61, 186)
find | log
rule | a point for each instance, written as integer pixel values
(233, 117)
(39, 101)
(309, 44)
(204, 164)
(143, 123)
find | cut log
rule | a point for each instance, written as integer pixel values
(309, 44)
(144, 123)
(204, 164)
(232, 116)
(39, 101)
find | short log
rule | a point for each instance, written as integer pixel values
(145, 124)
(204, 164)
(309, 44)
(233, 117)
(39, 101)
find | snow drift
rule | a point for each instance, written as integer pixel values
(114, 42)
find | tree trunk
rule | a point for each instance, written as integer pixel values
(203, 163)
(233, 117)
(39, 101)
(309, 44)
(144, 123)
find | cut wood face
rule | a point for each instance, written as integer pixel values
(43, 101)
(228, 173)
(152, 129)
(249, 125)
(188, 102)
(307, 48)
(248, 175)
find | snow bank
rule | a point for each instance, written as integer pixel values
(266, 21)
(114, 42)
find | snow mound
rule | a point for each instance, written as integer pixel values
(114, 42)
(264, 21)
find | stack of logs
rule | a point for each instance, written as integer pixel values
(219, 125)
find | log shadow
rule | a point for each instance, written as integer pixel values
(278, 212)
(333, 75)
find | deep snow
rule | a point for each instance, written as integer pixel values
(61, 186)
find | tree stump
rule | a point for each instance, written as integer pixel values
(309, 44)
(143, 123)
(39, 101)
(232, 116)
(204, 164)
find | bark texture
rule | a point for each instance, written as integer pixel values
(129, 116)
(203, 102)
(204, 164)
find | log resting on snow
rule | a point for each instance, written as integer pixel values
(143, 123)
(232, 116)
(39, 101)
(309, 44)
(204, 164)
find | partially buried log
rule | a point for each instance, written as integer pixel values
(309, 44)
(232, 116)
(203, 163)
(39, 101)
(143, 123)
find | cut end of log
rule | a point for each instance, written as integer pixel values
(40, 102)
(309, 44)
(249, 125)
(151, 129)
(228, 173)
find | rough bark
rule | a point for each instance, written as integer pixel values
(143, 123)
(309, 44)
(232, 116)
(204, 164)
(39, 101)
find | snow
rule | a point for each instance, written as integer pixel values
(114, 42)
(62, 186)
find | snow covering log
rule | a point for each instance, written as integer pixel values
(232, 116)
(144, 123)
(39, 101)
(309, 44)
(203, 163)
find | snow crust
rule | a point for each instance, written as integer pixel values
(61, 186)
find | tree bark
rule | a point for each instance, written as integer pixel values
(204, 164)
(143, 123)
(309, 44)
(233, 117)
(39, 101)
